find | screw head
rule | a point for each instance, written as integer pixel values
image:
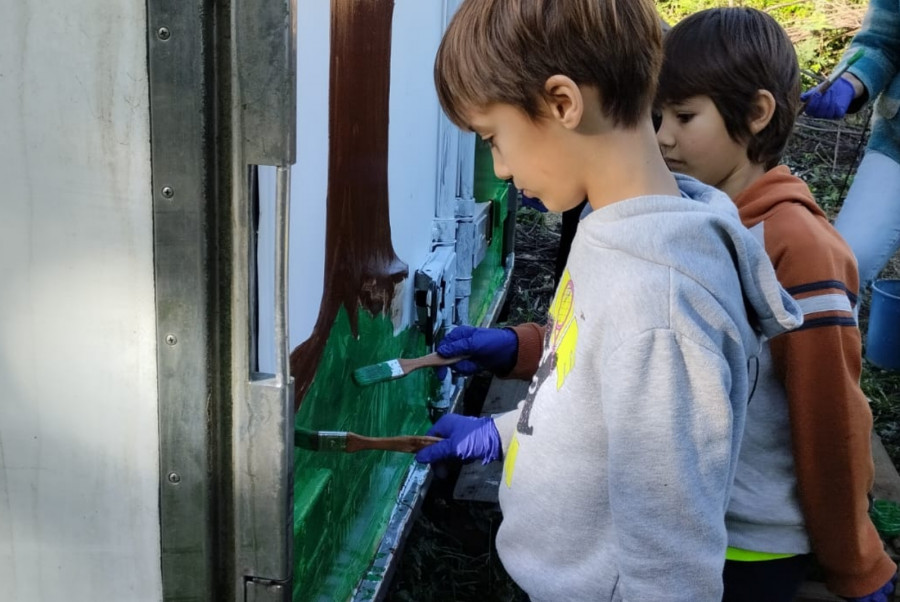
(174, 478)
(163, 33)
(167, 192)
(171, 339)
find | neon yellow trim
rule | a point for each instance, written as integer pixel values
(742, 555)
(510, 463)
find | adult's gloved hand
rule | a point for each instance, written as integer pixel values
(464, 438)
(833, 104)
(494, 349)
(882, 595)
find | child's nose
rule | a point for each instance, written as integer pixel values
(664, 136)
(500, 169)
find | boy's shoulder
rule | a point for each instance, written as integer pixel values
(777, 192)
(796, 232)
(805, 237)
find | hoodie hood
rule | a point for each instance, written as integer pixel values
(776, 186)
(708, 218)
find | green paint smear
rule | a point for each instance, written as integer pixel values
(488, 276)
(342, 501)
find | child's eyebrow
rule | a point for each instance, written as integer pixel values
(677, 106)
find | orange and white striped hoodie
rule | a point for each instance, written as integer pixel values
(805, 466)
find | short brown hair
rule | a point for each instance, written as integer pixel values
(729, 54)
(503, 51)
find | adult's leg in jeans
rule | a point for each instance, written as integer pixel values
(869, 220)
(764, 581)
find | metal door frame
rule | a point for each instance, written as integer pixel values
(225, 433)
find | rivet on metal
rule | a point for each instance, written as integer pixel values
(174, 478)
(171, 339)
(163, 33)
(168, 192)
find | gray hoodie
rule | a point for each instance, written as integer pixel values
(619, 463)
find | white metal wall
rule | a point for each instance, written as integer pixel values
(413, 134)
(79, 516)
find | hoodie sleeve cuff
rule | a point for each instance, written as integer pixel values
(873, 79)
(531, 344)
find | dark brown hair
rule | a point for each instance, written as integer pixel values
(503, 51)
(729, 54)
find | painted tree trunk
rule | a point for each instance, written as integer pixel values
(361, 268)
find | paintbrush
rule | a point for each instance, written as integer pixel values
(398, 368)
(835, 75)
(344, 441)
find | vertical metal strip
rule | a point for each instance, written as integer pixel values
(264, 121)
(179, 110)
(282, 238)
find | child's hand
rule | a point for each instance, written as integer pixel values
(882, 595)
(494, 349)
(465, 438)
(831, 105)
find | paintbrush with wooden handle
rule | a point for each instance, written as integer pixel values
(400, 367)
(345, 441)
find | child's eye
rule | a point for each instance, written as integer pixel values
(489, 141)
(684, 117)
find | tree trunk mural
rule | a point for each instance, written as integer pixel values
(361, 268)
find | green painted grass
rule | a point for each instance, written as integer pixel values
(342, 501)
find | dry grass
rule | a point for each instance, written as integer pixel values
(839, 16)
(532, 285)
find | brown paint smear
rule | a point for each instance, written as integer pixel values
(361, 268)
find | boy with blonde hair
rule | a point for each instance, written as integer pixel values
(618, 465)
(728, 94)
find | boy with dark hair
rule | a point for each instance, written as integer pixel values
(619, 463)
(728, 93)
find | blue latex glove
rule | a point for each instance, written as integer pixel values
(882, 595)
(494, 349)
(831, 105)
(465, 438)
(528, 201)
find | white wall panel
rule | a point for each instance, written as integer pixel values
(413, 134)
(79, 517)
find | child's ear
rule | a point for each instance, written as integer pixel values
(762, 111)
(565, 102)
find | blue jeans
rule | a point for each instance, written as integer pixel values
(869, 220)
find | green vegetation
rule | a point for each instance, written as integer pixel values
(820, 29)
(883, 389)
